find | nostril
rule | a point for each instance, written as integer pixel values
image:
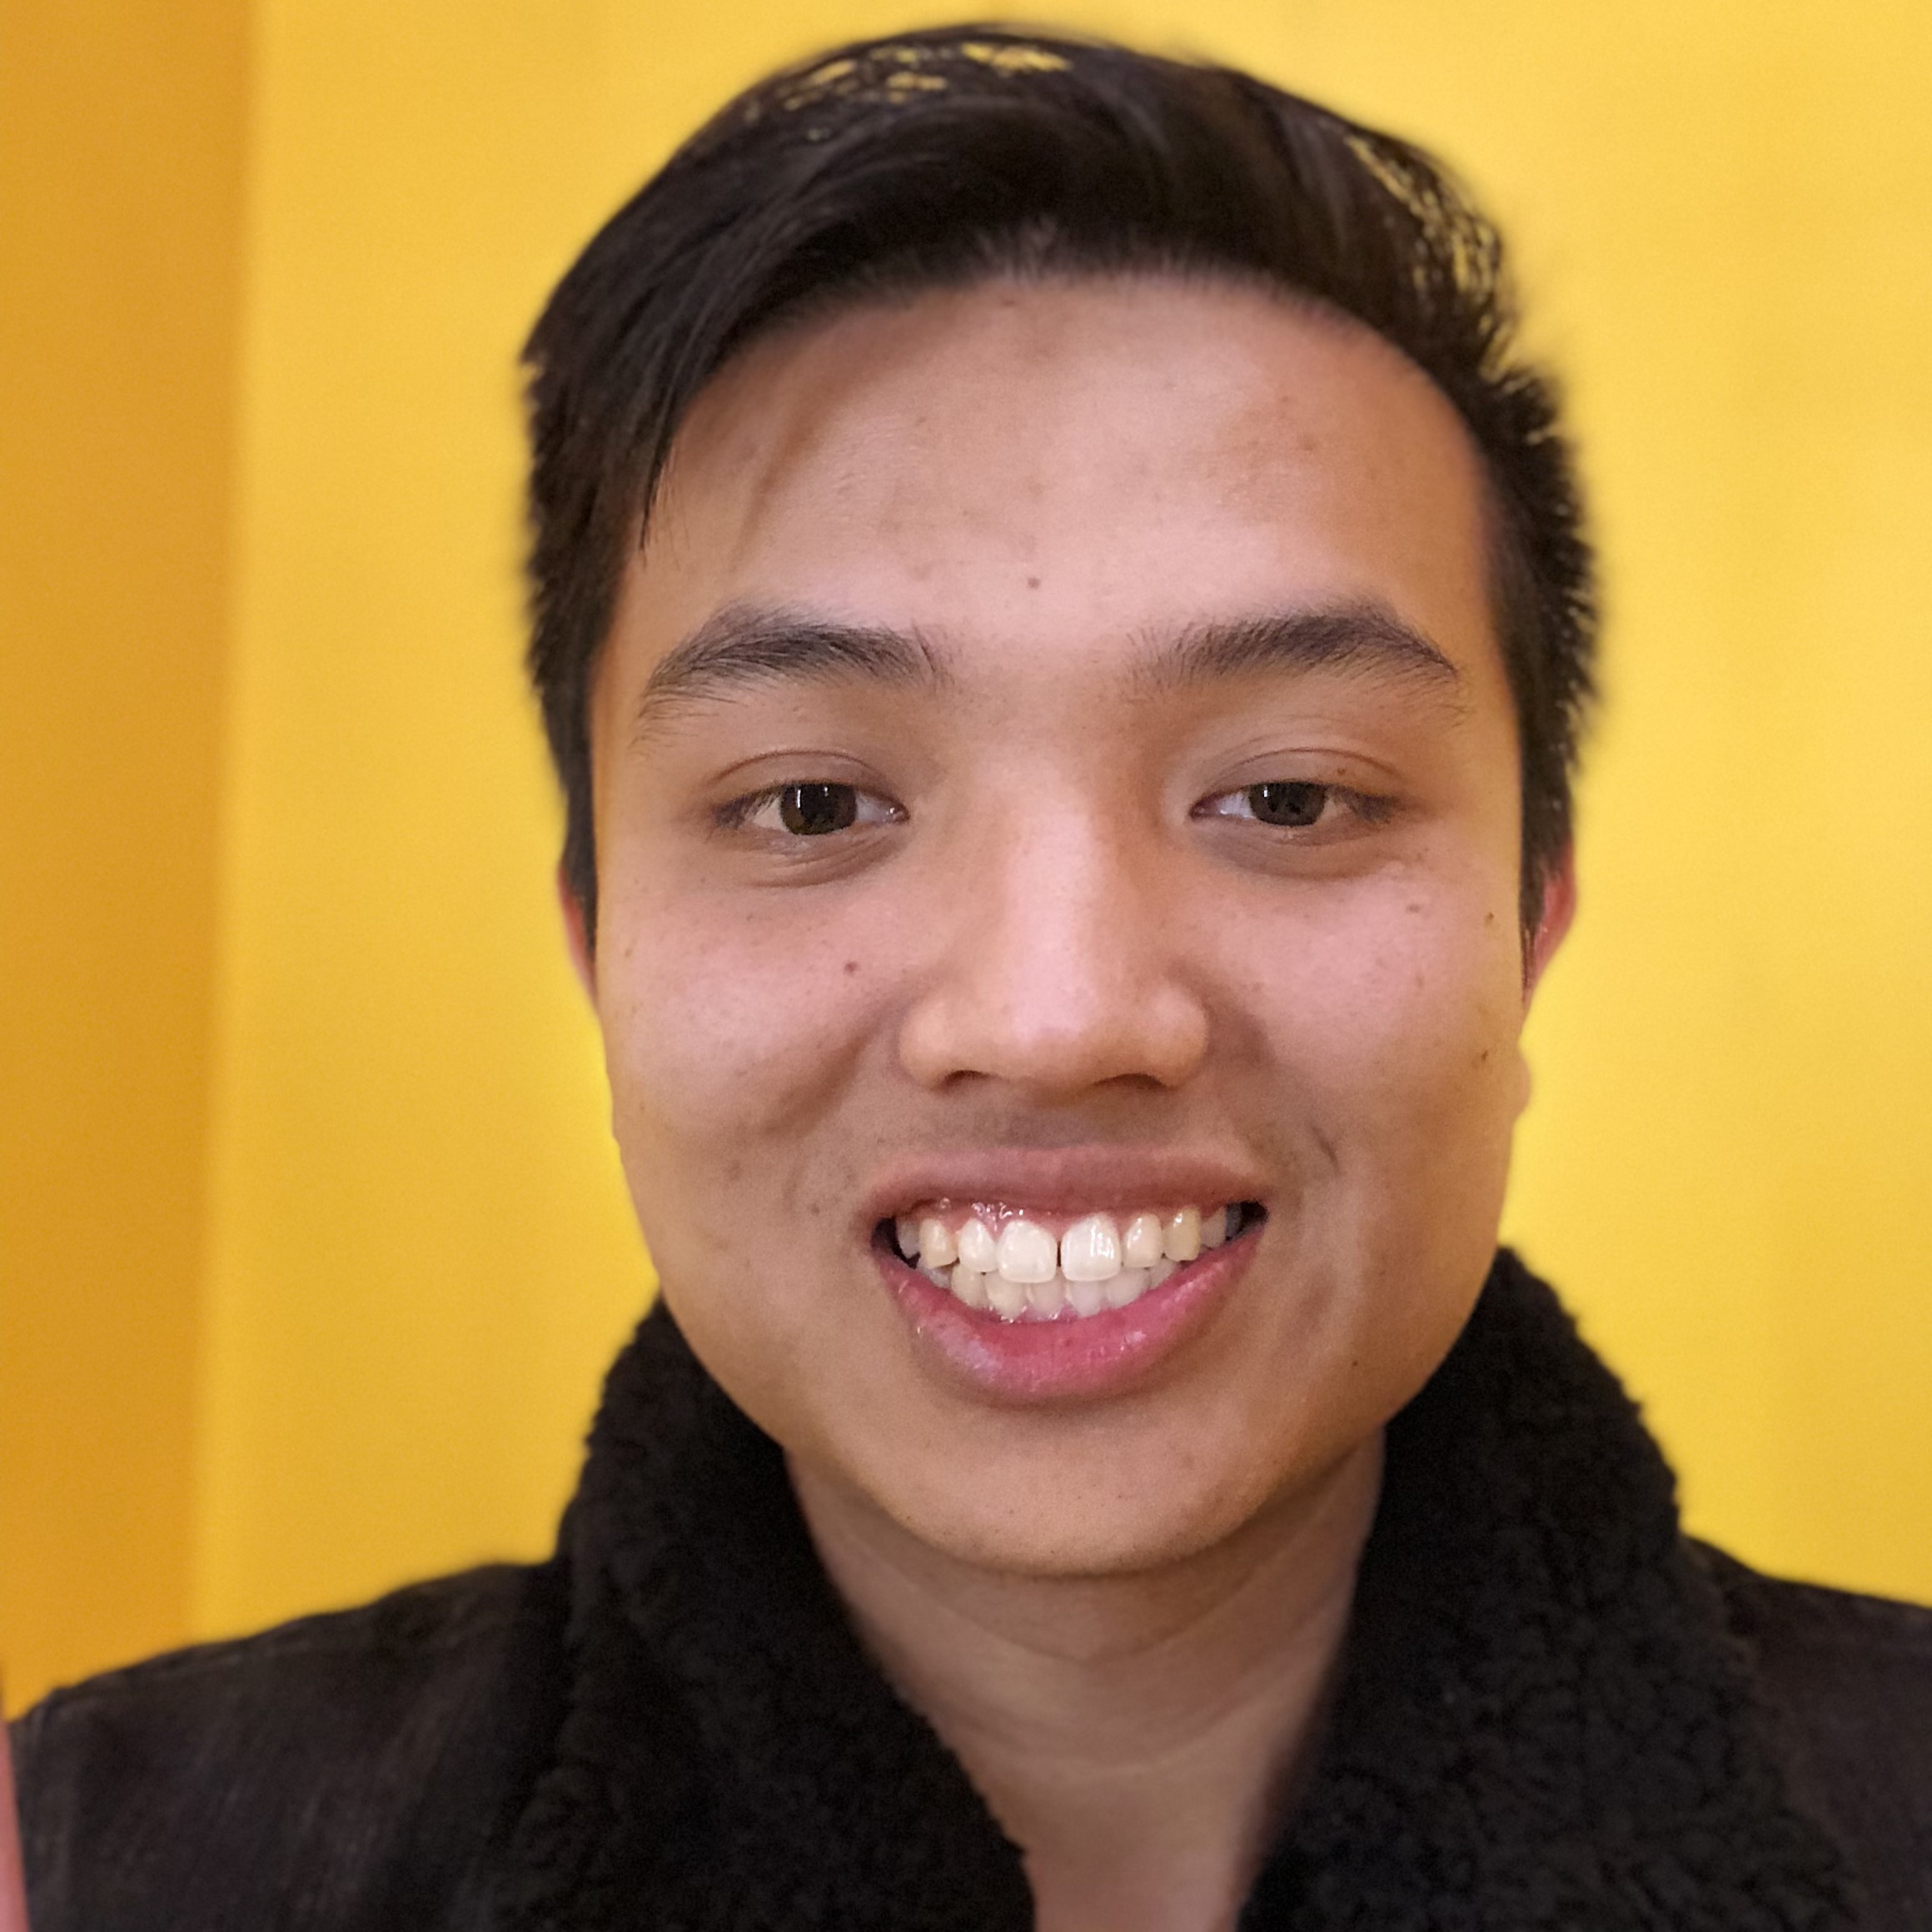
(1049, 1032)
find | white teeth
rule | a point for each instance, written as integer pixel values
(970, 1286)
(978, 1250)
(1088, 1297)
(1025, 1273)
(1181, 1238)
(1140, 1247)
(1046, 1297)
(937, 1248)
(1027, 1252)
(1007, 1299)
(1090, 1249)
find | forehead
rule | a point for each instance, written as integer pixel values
(1065, 465)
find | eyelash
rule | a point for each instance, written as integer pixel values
(736, 813)
(1366, 807)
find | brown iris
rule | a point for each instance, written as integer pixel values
(812, 809)
(1290, 803)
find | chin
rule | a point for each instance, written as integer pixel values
(1046, 1517)
(1061, 1545)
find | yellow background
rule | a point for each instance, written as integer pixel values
(311, 1244)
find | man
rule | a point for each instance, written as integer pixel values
(1062, 622)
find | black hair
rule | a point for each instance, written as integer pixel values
(954, 154)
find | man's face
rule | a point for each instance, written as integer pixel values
(1053, 761)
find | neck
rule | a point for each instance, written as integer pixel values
(1138, 1735)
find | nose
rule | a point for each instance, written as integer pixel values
(1059, 972)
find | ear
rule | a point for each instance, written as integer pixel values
(577, 935)
(1553, 922)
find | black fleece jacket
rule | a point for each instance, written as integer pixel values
(1553, 1712)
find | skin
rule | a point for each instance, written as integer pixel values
(12, 1885)
(1056, 926)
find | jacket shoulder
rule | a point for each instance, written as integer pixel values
(1850, 1679)
(342, 1771)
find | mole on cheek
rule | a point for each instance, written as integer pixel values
(851, 965)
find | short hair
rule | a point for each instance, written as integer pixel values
(954, 155)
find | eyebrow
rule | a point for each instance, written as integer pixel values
(747, 645)
(1360, 638)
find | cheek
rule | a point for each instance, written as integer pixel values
(735, 1045)
(1398, 1020)
(727, 1028)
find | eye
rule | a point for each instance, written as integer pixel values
(1324, 811)
(1291, 802)
(810, 811)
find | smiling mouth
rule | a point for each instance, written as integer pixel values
(1003, 1262)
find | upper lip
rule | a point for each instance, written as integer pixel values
(1093, 1176)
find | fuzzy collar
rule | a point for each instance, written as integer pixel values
(1541, 1721)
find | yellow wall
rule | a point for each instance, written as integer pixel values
(120, 165)
(414, 1253)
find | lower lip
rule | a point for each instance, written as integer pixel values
(1084, 1358)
